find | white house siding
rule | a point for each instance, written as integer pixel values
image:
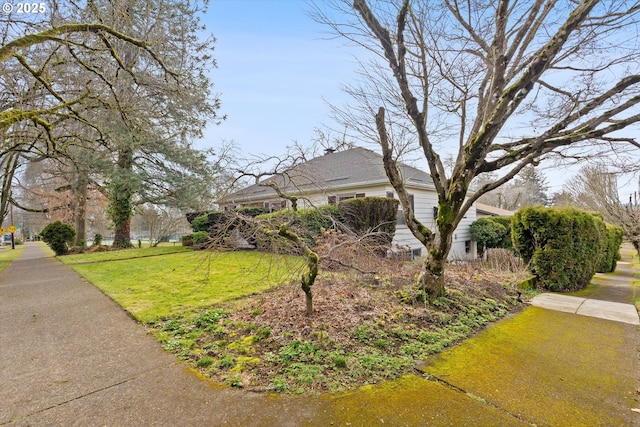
(462, 237)
(424, 203)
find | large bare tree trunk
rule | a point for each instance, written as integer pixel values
(460, 75)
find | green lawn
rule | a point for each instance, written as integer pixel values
(156, 283)
(7, 255)
(122, 254)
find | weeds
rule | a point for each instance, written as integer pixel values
(362, 333)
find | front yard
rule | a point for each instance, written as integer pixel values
(239, 317)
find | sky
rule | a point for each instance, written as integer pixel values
(276, 71)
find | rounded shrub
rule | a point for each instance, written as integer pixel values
(200, 223)
(187, 240)
(58, 236)
(488, 233)
(200, 237)
(563, 247)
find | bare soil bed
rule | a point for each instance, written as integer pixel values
(365, 328)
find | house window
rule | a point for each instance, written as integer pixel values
(350, 196)
(401, 220)
(275, 206)
(467, 246)
(390, 194)
(332, 200)
(416, 253)
(435, 212)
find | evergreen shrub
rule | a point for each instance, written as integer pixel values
(489, 233)
(563, 247)
(187, 240)
(58, 236)
(200, 237)
(611, 251)
(308, 225)
(367, 214)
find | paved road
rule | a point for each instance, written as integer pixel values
(70, 356)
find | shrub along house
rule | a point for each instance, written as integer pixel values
(356, 172)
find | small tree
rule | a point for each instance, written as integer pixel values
(58, 236)
(488, 233)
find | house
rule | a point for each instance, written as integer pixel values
(483, 211)
(356, 172)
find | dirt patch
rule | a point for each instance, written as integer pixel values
(365, 328)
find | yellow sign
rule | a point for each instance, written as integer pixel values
(12, 229)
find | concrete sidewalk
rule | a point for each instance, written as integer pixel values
(70, 356)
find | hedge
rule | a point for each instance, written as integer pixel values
(611, 253)
(563, 247)
(364, 214)
(309, 224)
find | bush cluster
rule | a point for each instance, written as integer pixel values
(492, 232)
(58, 236)
(564, 247)
(367, 214)
(308, 225)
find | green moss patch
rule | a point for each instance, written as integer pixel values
(548, 367)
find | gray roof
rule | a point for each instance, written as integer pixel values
(342, 169)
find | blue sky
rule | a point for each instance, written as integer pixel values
(275, 70)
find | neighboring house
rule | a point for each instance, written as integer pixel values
(483, 211)
(356, 172)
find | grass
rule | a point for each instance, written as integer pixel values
(361, 333)
(157, 283)
(7, 255)
(122, 254)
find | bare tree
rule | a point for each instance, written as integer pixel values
(503, 83)
(528, 188)
(161, 221)
(595, 188)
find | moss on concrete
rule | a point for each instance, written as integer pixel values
(410, 401)
(550, 368)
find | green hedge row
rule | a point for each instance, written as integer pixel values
(361, 215)
(371, 214)
(308, 225)
(565, 247)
